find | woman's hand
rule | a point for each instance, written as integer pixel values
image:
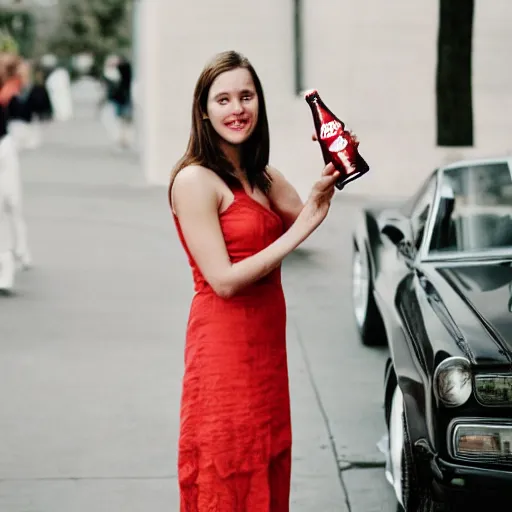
(317, 206)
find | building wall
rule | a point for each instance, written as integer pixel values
(373, 63)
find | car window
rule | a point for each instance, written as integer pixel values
(411, 203)
(420, 211)
(475, 209)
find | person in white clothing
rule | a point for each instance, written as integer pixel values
(58, 85)
(13, 232)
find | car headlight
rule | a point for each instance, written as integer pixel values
(474, 441)
(453, 382)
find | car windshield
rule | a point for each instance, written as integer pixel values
(475, 211)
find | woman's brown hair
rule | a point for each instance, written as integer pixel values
(203, 145)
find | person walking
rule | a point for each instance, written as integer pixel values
(14, 248)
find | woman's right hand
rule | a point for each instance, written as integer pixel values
(317, 206)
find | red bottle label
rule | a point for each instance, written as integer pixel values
(339, 144)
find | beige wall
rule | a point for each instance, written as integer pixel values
(373, 62)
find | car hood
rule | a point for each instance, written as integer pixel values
(486, 290)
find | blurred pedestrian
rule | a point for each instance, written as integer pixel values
(13, 233)
(39, 98)
(117, 105)
(58, 85)
(22, 119)
(7, 175)
(123, 100)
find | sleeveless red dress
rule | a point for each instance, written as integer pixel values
(235, 430)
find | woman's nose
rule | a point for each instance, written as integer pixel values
(238, 107)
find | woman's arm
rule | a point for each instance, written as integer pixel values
(196, 202)
(284, 198)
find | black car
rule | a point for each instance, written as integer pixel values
(432, 279)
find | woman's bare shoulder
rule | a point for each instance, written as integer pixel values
(274, 173)
(193, 174)
(195, 183)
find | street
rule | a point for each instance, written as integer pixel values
(92, 347)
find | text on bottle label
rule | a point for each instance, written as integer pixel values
(329, 129)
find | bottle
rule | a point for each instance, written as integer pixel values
(338, 146)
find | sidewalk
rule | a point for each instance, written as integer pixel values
(91, 341)
(92, 350)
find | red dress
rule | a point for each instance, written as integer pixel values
(235, 431)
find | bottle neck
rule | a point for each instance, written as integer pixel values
(318, 108)
(314, 99)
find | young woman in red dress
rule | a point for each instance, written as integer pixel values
(237, 219)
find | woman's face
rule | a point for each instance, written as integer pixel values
(232, 105)
(24, 72)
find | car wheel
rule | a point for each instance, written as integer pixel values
(367, 316)
(411, 496)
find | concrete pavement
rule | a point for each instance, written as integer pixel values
(92, 347)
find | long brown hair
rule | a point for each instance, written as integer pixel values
(203, 145)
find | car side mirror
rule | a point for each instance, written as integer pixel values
(395, 225)
(393, 232)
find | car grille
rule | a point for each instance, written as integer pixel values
(494, 390)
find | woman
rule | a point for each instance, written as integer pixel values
(7, 265)
(237, 219)
(13, 230)
(8, 172)
(21, 109)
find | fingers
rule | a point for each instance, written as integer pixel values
(327, 181)
(333, 178)
(354, 138)
(324, 189)
(328, 169)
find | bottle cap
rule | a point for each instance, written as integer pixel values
(311, 92)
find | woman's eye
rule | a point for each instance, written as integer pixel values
(223, 101)
(247, 97)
